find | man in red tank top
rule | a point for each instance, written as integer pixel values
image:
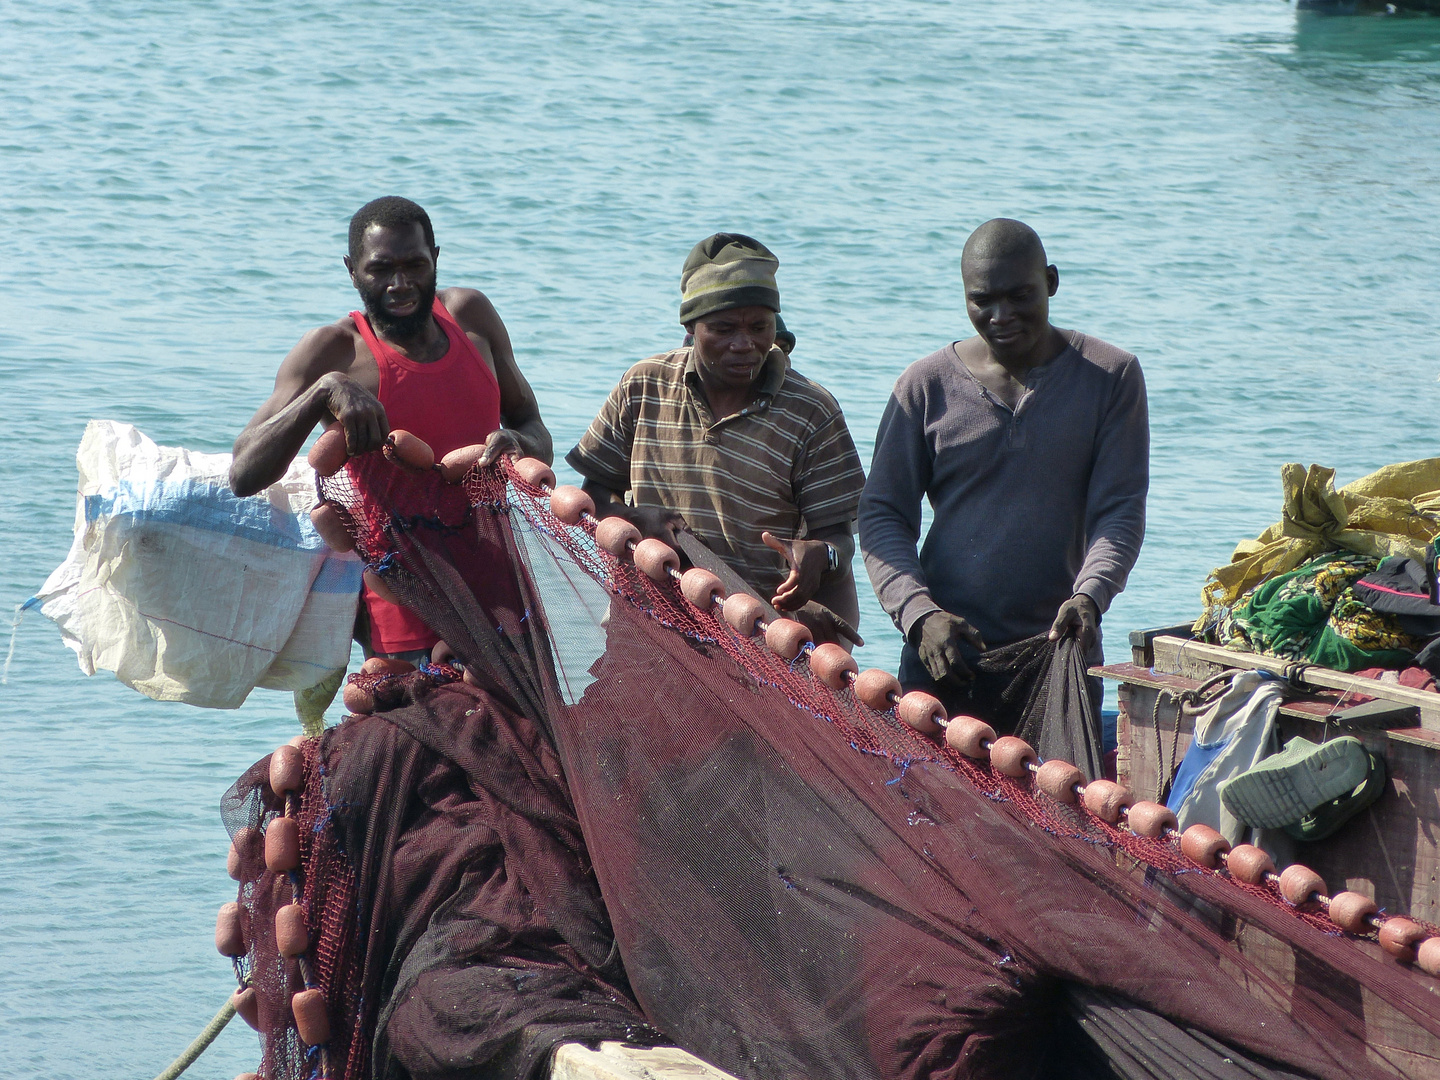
(438, 364)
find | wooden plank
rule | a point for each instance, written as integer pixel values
(1388, 852)
(1178, 656)
(616, 1061)
(1320, 705)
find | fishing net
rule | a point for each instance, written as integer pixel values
(633, 823)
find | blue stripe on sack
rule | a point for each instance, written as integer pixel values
(206, 506)
(339, 576)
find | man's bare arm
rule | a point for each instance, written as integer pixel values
(657, 521)
(313, 385)
(523, 429)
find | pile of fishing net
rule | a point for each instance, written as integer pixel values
(632, 815)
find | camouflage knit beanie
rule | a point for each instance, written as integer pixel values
(727, 270)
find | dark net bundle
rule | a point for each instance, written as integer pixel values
(643, 826)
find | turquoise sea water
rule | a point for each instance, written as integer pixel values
(1244, 196)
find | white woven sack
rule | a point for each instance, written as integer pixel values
(188, 593)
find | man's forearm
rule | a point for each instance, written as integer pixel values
(842, 538)
(837, 592)
(534, 438)
(264, 451)
(602, 495)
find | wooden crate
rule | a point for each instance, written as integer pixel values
(1391, 851)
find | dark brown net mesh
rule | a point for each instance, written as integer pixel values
(792, 884)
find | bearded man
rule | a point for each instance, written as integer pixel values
(437, 364)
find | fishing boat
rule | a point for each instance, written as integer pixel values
(1389, 852)
(640, 810)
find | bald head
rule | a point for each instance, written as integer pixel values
(1008, 286)
(1004, 240)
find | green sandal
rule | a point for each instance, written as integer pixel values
(1284, 787)
(1325, 821)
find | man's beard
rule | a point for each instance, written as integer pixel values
(400, 327)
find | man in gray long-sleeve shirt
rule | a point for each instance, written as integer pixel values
(1032, 444)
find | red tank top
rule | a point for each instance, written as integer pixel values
(450, 403)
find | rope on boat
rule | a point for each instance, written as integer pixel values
(201, 1043)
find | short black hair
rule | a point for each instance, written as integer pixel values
(1004, 238)
(389, 212)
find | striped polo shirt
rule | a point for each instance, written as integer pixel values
(785, 463)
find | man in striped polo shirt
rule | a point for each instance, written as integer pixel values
(723, 437)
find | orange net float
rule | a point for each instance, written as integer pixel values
(246, 1006)
(877, 689)
(386, 665)
(1351, 911)
(970, 736)
(358, 700)
(922, 712)
(287, 770)
(535, 472)
(292, 936)
(1299, 883)
(570, 504)
(246, 843)
(457, 463)
(701, 587)
(1105, 799)
(743, 613)
(1427, 956)
(787, 637)
(1150, 819)
(1203, 845)
(442, 653)
(832, 665)
(331, 526)
(312, 1017)
(1401, 937)
(615, 535)
(300, 740)
(409, 451)
(1011, 756)
(229, 937)
(655, 559)
(282, 845)
(377, 585)
(1059, 779)
(329, 454)
(1249, 864)
(247, 1076)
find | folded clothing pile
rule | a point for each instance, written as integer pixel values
(1325, 613)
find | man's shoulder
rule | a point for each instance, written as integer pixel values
(801, 391)
(1103, 355)
(464, 303)
(665, 367)
(333, 347)
(924, 376)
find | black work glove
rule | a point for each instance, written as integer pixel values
(937, 639)
(1079, 615)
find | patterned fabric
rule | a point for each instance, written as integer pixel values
(1313, 614)
(785, 463)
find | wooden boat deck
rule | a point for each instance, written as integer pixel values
(1390, 851)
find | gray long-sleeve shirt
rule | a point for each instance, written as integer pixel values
(1030, 506)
